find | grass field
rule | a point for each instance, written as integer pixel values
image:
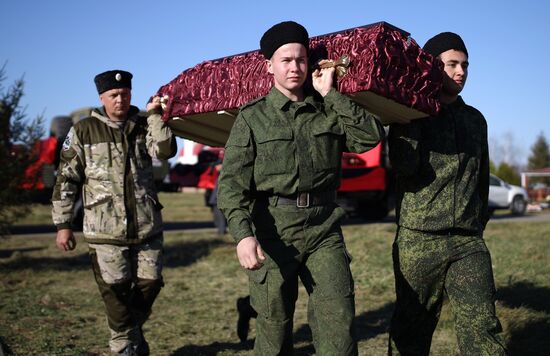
(50, 305)
(177, 208)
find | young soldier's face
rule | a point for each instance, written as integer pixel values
(116, 102)
(289, 67)
(456, 67)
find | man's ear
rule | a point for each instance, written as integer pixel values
(269, 66)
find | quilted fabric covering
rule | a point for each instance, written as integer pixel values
(389, 74)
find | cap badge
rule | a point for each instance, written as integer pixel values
(118, 77)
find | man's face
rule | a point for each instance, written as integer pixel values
(289, 67)
(116, 102)
(456, 67)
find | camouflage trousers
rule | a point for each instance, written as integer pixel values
(129, 279)
(426, 266)
(306, 244)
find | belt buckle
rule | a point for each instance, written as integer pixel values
(299, 200)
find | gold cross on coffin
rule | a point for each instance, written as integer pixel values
(341, 65)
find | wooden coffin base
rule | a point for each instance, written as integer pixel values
(212, 128)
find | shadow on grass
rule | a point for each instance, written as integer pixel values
(9, 252)
(525, 294)
(186, 253)
(71, 263)
(373, 323)
(4, 348)
(528, 337)
(212, 349)
(531, 339)
(368, 325)
(176, 255)
(49, 228)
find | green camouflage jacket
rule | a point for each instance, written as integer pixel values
(442, 169)
(280, 147)
(113, 167)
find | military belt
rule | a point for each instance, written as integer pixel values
(305, 200)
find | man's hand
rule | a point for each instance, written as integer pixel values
(65, 240)
(250, 253)
(153, 104)
(323, 79)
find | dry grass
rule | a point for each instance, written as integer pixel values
(49, 303)
(178, 207)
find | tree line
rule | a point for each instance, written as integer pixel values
(539, 157)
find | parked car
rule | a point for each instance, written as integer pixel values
(506, 196)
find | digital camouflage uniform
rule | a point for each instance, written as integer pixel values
(122, 220)
(442, 166)
(278, 148)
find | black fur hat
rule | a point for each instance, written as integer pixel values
(113, 79)
(444, 42)
(281, 34)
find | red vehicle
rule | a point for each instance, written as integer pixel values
(40, 174)
(198, 171)
(366, 187)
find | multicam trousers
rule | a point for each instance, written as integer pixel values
(129, 279)
(426, 266)
(305, 243)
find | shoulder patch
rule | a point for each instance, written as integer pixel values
(68, 141)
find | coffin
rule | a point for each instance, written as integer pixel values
(389, 75)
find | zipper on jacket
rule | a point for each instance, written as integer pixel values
(459, 162)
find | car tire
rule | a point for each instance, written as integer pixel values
(518, 206)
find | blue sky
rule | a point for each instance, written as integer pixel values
(59, 46)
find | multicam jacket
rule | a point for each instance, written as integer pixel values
(442, 167)
(280, 147)
(113, 167)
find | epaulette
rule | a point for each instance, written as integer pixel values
(252, 103)
(84, 121)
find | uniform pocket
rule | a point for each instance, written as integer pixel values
(258, 275)
(95, 201)
(99, 160)
(101, 217)
(327, 146)
(148, 212)
(275, 151)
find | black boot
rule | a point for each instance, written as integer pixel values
(142, 348)
(129, 350)
(246, 312)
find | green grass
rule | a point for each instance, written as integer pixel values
(50, 305)
(178, 207)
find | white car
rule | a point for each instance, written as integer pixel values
(506, 196)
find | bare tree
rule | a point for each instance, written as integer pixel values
(505, 149)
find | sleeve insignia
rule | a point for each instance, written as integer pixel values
(68, 140)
